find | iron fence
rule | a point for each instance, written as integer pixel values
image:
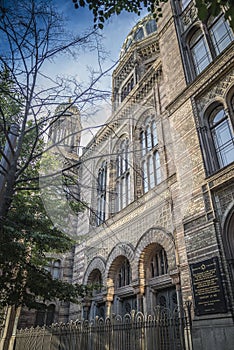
(163, 330)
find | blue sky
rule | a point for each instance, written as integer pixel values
(114, 33)
(79, 21)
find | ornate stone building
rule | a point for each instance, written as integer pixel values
(158, 178)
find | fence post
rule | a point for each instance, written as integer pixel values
(188, 326)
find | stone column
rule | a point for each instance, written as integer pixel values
(86, 309)
(175, 276)
(108, 308)
(140, 302)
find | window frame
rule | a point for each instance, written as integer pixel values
(123, 176)
(150, 157)
(209, 148)
(101, 193)
(197, 64)
(158, 264)
(211, 23)
(124, 274)
(206, 41)
(56, 269)
(214, 130)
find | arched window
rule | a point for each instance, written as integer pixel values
(158, 263)
(150, 156)
(127, 88)
(124, 274)
(56, 269)
(199, 51)
(222, 136)
(208, 42)
(101, 193)
(123, 176)
(220, 33)
(95, 279)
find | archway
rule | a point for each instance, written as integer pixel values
(229, 244)
(156, 263)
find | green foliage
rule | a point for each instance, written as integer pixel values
(28, 239)
(104, 9)
(208, 8)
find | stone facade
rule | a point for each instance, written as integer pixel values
(162, 200)
(184, 215)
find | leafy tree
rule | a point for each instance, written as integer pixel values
(28, 241)
(32, 34)
(104, 9)
(28, 238)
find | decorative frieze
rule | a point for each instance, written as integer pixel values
(188, 17)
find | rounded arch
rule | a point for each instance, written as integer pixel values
(118, 139)
(98, 263)
(154, 236)
(212, 104)
(196, 26)
(229, 97)
(155, 261)
(228, 241)
(100, 163)
(228, 233)
(148, 112)
(122, 250)
(229, 93)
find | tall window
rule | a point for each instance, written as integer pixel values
(220, 33)
(222, 136)
(96, 280)
(56, 269)
(158, 263)
(150, 156)
(205, 45)
(200, 51)
(101, 193)
(123, 176)
(127, 88)
(124, 274)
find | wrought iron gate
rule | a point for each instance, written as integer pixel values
(164, 330)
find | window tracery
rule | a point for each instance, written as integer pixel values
(217, 136)
(151, 167)
(158, 263)
(124, 274)
(101, 193)
(222, 136)
(56, 269)
(123, 175)
(208, 42)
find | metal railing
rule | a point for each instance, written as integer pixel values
(164, 330)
